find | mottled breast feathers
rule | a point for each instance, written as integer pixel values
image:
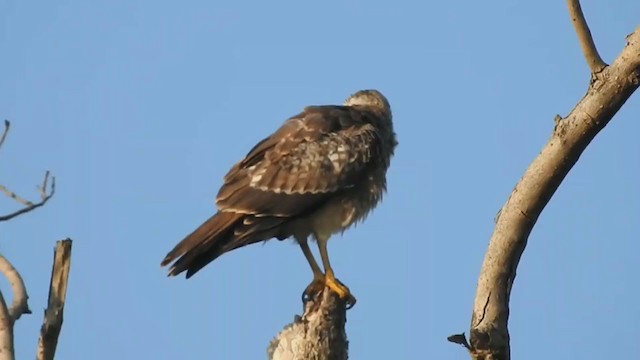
(315, 154)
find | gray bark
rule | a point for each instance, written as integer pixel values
(319, 334)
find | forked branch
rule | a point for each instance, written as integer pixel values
(607, 93)
(45, 191)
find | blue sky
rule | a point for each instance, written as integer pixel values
(140, 107)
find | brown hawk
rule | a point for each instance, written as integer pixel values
(320, 172)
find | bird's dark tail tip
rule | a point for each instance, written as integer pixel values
(201, 246)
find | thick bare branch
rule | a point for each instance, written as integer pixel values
(9, 315)
(6, 332)
(489, 337)
(318, 335)
(20, 303)
(53, 316)
(28, 205)
(595, 62)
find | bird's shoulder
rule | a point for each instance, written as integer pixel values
(316, 124)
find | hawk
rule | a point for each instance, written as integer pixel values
(322, 171)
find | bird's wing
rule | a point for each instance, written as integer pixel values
(315, 154)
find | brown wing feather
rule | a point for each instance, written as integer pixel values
(313, 155)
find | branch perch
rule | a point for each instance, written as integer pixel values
(318, 335)
(53, 315)
(489, 335)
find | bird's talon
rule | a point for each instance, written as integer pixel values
(313, 289)
(341, 290)
(351, 301)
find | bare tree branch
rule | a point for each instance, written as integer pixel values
(20, 303)
(318, 335)
(6, 332)
(29, 206)
(42, 189)
(53, 316)
(607, 93)
(58, 288)
(595, 62)
(15, 196)
(9, 315)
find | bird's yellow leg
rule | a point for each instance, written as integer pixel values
(317, 284)
(330, 280)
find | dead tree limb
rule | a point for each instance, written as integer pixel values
(610, 87)
(318, 335)
(28, 205)
(6, 332)
(9, 315)
(42, 189)
(20, 303)
(53, 315)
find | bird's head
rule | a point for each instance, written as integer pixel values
(369, 98)
(374, 100)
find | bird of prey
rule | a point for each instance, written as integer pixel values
(322, 171)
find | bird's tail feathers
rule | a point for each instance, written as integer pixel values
(204, 240)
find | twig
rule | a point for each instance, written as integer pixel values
(7, 125)
(595, 62)
(53, 316)
(318, 335)
(489, 335)
(29, 206)
(20, 303)
(15, 196)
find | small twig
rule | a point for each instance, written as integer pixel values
(53, 316)
(595, 62)
(20, 303)
(7, 125)
(29, 206)
(43, 187)
(15, 196)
